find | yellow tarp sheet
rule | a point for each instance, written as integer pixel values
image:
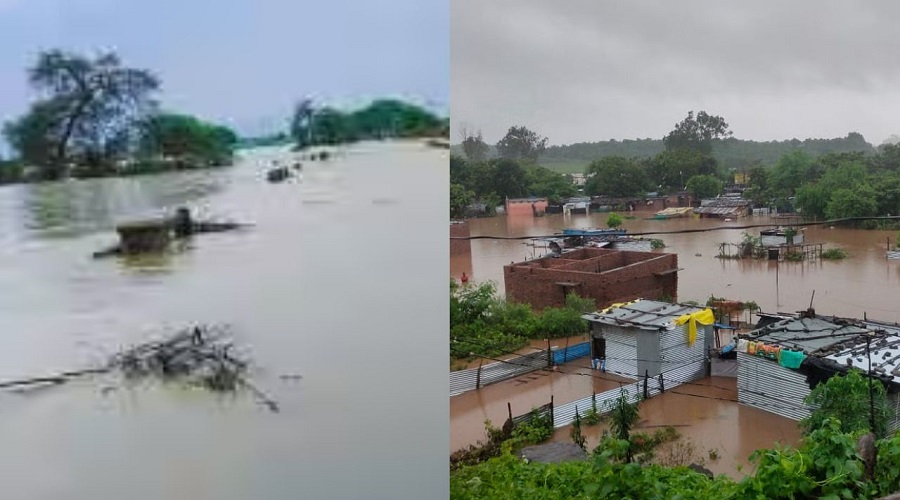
(704, 317)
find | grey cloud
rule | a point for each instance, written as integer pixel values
(570, 66)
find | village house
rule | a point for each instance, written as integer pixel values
(729, 207)
(607, 276)
(526, 206)
(780, 363)
(653, 339)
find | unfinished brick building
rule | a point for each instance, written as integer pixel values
(607, 276)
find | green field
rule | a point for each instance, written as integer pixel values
(564, 166)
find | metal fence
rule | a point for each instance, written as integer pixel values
(544, 410)
(647, 387)
(570, 353)
(475, 378)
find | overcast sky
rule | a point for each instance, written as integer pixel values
(241, 62)
(590, 70)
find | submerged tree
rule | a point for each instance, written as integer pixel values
(86, 111)
(183, 136)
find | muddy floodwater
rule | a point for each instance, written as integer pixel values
(303, 291)
(865, 283)
(706, 413)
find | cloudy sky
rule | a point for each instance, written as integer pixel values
(589, 70)
(242, 62)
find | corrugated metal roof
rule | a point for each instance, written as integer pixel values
(806, 334)
(644, 314)
(718, 210)
(885, 352)
(724, 202)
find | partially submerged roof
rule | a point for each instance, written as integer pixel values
(642, 313)
(807, 334)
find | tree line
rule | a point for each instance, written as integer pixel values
(314, 125)
(852, 180)
(831, 186)
(95, 116)
(686, 163)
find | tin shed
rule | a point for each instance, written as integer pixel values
(649, 337)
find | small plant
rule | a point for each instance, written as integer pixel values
(592, 416)
(536, 430)
(834, 254)
(713, 454)
(614, 220)
(657, 244)
(794, 256)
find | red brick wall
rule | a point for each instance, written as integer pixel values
(537, 286)
(524, 207)
(460, 246)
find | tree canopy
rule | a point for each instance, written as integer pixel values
(519, 143)
(316, 125)
(93, 113)
(697, 134)
(616, 176)
(87, 110)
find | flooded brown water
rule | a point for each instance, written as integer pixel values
(706, 415)
(864, 283)
(303, 289)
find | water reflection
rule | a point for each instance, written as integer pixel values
(72, 208)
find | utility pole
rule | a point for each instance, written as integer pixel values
(871, 392)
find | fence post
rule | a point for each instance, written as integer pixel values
(646, 376)
(509, 408)
(478, 375)
(549, 355)
(594, 401)
(662, 386)
(552, 420)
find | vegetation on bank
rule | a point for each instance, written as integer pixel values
(824, 179)
(826, 464)
(482, 324)
(314, 125)
(729, 152)
(97, 117)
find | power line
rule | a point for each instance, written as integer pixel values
(685, 231)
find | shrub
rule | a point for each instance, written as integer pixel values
(834, 254)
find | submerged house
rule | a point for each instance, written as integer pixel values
(526, 206)
(659, 340)
(780, 363)
(727, 207)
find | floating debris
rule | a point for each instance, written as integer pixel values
(201, 356)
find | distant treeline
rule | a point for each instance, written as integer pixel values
(279, 139)
(730, 153)
(383, 118)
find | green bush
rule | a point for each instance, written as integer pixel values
(834, 254)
